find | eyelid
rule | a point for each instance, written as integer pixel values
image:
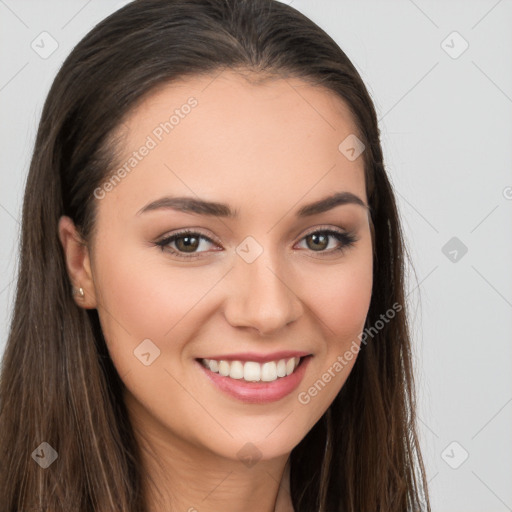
(164, 241)
(325, 227)
(347, 238)
(189, 231)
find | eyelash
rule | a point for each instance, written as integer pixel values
(347, 240)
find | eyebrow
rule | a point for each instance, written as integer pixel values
(214, 209)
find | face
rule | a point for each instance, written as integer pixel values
(272, 281)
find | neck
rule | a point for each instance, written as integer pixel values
(180, 481)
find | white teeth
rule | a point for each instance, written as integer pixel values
(281, 368)
(290, 366)
(236, 370)
(252, 371)
(268, 371)
(223, 367)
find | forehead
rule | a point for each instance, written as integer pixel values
(244, 141)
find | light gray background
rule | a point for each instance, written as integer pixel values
(446, 130)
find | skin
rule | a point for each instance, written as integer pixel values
(266, 149)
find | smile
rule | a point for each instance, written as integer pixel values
(255, 382)
(252, 371)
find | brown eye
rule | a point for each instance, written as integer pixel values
(318, 241)
(186, 244)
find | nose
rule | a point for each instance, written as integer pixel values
(262, 296)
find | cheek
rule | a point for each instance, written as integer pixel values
(353, 303)
(345, 310)
(341, 307)
(135, 302)
(341, 298)
(143, 296)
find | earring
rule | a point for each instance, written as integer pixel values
(79, 291)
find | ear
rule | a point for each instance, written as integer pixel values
(78, 262)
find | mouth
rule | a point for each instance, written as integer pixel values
(254, 382)
(253, 371)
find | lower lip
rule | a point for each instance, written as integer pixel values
(258, 392)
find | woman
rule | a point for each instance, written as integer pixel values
(210, 306)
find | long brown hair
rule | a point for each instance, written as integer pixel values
(58, 384)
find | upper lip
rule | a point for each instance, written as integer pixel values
(259, 358)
